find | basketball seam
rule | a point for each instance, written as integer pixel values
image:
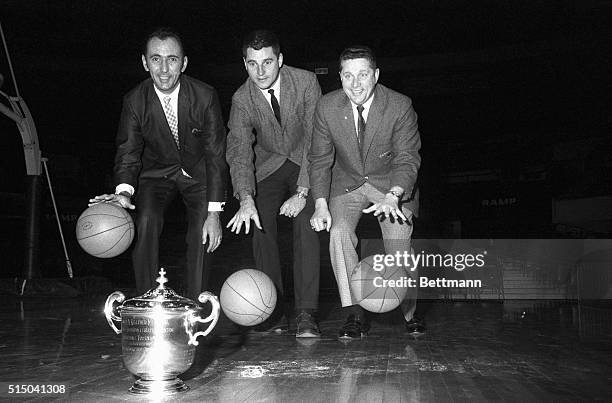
(103, 214)
(258, 290)
(241, 296)
(115, 244)
(102, 232)
(359, 282)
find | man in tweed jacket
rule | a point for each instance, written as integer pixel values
(364, 158)
(270, 130)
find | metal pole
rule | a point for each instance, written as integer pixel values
(32, 231)
(59, 224)
(8, 58)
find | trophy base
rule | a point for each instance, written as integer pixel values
(166, 387)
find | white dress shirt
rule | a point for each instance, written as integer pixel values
(125, 187)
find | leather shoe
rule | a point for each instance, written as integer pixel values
(306, 326)
(353, 329)
(415, 327)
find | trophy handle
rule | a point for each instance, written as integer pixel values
(109, 309)
(214, 317)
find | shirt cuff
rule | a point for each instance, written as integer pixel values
(124, 187)
(216, 206)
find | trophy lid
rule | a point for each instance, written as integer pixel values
(161, 296)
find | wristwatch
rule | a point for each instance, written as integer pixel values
(395, 193)
(302, 194)
(126, 194)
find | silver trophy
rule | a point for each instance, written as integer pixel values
(158, 335)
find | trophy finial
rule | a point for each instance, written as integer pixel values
(161, 279)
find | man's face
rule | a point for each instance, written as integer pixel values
(165, 62)
(358, 79)
(263, 66)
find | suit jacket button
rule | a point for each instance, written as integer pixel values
(366, 178)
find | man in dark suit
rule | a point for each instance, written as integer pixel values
(270, 128)
(171, 140)
(365, 150)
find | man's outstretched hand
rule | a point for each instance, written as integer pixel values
(118, 199)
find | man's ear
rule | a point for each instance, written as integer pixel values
(184, 64)
(144, 63)
(280, 60)
(376, 74)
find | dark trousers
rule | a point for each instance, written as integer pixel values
(152, 200)
(271, 194)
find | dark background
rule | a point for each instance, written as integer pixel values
(513, 99)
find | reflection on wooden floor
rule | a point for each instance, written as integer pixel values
(473, 351)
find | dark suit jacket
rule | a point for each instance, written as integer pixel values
(390, 156)
(146, 148)
(252, 121)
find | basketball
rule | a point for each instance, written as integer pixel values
(105, 230)
(248, 297)
(378, 291)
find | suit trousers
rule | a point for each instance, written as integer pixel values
(153, 198)
(271, 194)
(346, 210)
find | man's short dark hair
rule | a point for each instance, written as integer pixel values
(357, 52)
(261, 38)
(162, 34)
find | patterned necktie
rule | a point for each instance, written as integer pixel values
(275, 105)
(361, 126)
(172, 120)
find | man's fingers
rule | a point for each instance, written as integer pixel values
(314, 224)
(329, 223)
(238, 226)
(229, 224)
(256, 221)
(402, 216)
(214, 244)
(373, 207)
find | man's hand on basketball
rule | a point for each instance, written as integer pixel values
(293, 206)
(211, 231)
(118, 199)
(321, 219)
(387, 206)
(245, 214)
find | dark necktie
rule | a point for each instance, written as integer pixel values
(275, 105)
(361, 126)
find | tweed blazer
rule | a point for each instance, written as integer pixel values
(257, 145)
(390, 156)
(146, 148)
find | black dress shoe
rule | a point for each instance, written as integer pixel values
(306, 326)
(415, 327)
(353, 328)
